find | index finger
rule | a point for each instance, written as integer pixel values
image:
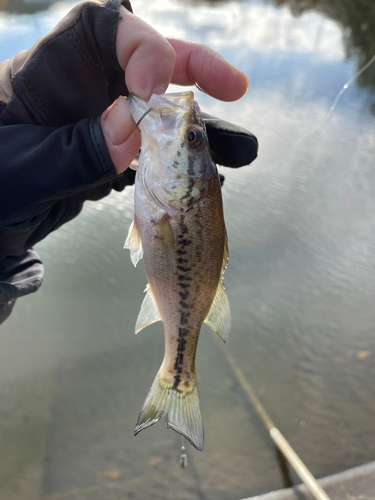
(145, 56)
(199, 64)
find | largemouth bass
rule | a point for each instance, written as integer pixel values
(179, 229)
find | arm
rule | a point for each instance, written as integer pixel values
(51, 150)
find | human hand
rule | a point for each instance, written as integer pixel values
(151, 62)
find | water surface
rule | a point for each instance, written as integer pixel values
(300, 281)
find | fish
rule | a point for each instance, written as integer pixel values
(179, 230)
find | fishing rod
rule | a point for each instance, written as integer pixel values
(279, 440)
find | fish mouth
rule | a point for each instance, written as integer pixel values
(166, 112)
(183, 100)
(169, 102)
(164, 104)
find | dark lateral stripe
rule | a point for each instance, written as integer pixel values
(177, 380)
(184, 269)
(183, 285)
(185, 242)
(184, 317)
(183, 277)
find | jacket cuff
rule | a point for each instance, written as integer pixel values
(100, 146)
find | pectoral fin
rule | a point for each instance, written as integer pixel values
(149, 312)
(219, 317)
(134, 243)
(167, 239)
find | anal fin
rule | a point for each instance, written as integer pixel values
(149, 312)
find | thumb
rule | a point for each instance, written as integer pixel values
(121, 136)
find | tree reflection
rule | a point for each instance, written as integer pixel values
(25, 6)
(357, 18)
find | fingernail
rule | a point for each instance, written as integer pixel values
(247, 80)
(158, 90)
(117, 122)
(244, 77)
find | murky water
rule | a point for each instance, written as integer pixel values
(301, 281)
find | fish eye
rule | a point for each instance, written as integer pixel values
(195, 137)
(191, 135)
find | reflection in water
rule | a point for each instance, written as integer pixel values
(300, 282)
(25, 6)
(357, 18)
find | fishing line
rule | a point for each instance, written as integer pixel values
(183, 456)
(349, 82)
(272, 130)
(338, 97)
(327, 116)
(250, 123)
(304, 136)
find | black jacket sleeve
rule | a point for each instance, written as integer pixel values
(52, 151)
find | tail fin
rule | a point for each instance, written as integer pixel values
(180, 407)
